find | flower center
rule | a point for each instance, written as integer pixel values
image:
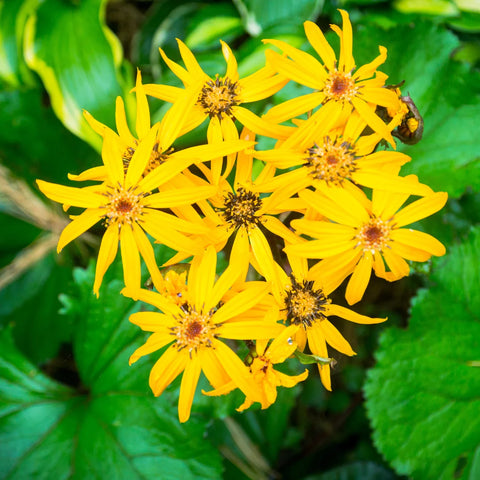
(124, 206)
(331, 162)
(218, 97)
(304, 304)
(340, 86)
(194, 330)
(240, 208)
(374, 236)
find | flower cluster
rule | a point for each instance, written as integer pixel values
(325, 204)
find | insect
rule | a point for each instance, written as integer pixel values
(410, 130)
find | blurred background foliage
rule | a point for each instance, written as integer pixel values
(407, 406)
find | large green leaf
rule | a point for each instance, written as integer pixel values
(13, 15)
(422, 396)
(107, 427)
(446, 92)
(78, 60)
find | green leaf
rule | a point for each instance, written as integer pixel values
(430, 7)
(109, 428)
(34, 144)
(258, 15)
(422, 396)
(419, 52)
(212, 23)
(78, 60)
(13, 15)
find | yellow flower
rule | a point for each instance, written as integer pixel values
(192, 331)
(221, 98)
(129, 210)
(246, 211)
(364, 234)
(338, 84)
(305, 303)
(263, 372)
(339, 156)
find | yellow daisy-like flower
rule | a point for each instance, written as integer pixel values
(246, 211)
(340, 156)
(305, 303)
(263, 372)
(221, 98)
(192, 331)
(129, 210)
(364, 234)
(337, 83)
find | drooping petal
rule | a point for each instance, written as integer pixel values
(213, 369)
(130, 257)
(167, 368)
(146, 251)
(79, 225)
(359, 280)
(318, 346)
(187, 388)
(398, 266)
(237, 370)
(334, 338)
(106, 254)
(263, 255)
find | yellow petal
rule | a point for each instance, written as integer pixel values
(346, 61)
(190, 61)
(187, 388)
(148, 255)
(155, 220)
(250, 330)
(367, 70)
(418, 240)
(130, 257)
(263, 255)
(334, 338)
(372, 119)
(201, 278)
(155, 342)
(232, 67)
(253, 91)
(324, 229)
(392, 183)
(79, 225)
(178, 70)
(319, 43)
(294, 107)
(351, 316)
(153, 322)
(296, 69)
(142, 124)
(159, 301)
(181, 196)
(318, 346)
(73, 196)
(278, 228)
(284, 345)
(261, 126)
(141, 158)
(112, 158)
(290, 381)
(359, 280)
(241, 302)
(421, 208)
(106, 255)
(398, 266)
(121, 123)
(213, 370)
(320, 248)
(379, 96)
(167, 368)
(95, 173)
(409, 253)
(237, 370)
(163, 92)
